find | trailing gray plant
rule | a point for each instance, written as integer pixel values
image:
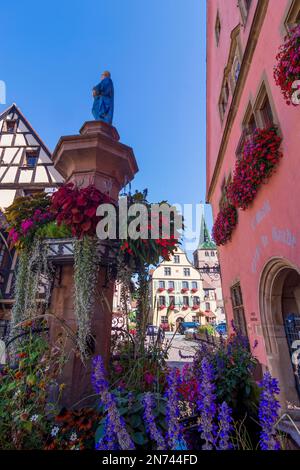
(33, 275)
(86, 266)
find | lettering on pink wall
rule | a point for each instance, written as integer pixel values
(264, 242)
(283, 236)
(260, 215)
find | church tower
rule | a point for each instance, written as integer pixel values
(206, 261)
(25, 161)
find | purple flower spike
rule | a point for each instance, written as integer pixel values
(115, 426)
(268, 412)
(154, 432)
(206, 405)
(225, 427)
(174, 428)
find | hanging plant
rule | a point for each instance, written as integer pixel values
(29, 293)
(86, 265)
(224, 225)
(148, 250)
(25, 217)
(260, 158)
(287, 69)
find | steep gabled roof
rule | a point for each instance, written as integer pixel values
(205, 241)
(25, 160)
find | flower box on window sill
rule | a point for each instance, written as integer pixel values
(172, 307)
(171, 289)
(194, 290)
(162, 307)
(185, 307)
(196, 307)
(184, 290)
(161, 289)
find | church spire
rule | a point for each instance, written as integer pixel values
(205, 241)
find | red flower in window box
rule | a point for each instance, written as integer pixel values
(171, 289)
(162, 307)
(196, 307)
(260, 157)
(224, 225)
(194, 290)
(287, 69)
(161, 289)
(185, 307)
(184, 290)
(172, 307)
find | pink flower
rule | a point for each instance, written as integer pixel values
(149, 378)
(26, 225)
(13, 234)
(118, 368)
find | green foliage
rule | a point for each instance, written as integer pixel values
(23, 390)
(234, 365)
(52, 230)
(24, 207)
(207, 329)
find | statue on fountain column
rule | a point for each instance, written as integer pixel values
(103, 94)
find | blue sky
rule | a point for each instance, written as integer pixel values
(54, 52)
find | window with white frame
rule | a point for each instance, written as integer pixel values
(167, 271)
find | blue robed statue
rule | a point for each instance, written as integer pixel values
(103, 93)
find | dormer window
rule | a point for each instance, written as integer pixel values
(10, 126)
(31, 159)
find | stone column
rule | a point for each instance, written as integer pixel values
(95, 156)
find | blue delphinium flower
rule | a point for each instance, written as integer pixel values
(154, 432)
(115, 428)
(206, 404)
(174, 428)
(268, 412)
(225, 426)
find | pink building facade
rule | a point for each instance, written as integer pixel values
(260, 265)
